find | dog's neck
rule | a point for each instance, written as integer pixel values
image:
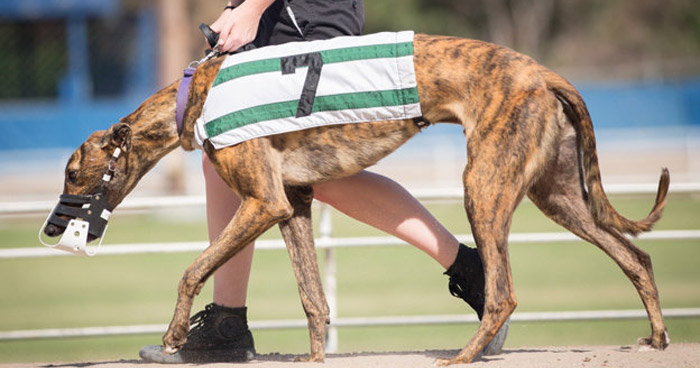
(153, 126)
(198, 91)
(153, 123)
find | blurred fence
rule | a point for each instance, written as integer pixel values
(328, 244)
(67, 68)
(74, 50)
(36, 60)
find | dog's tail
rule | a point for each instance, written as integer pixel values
(603, 212)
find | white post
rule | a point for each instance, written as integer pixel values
(331, 287)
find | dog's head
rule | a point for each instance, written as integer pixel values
(109, 164)
(98, 172)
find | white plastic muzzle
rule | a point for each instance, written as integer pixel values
(90, 219)
(82, 216)
(74, 238)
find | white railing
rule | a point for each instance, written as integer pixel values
(329, 244)
(150, 203)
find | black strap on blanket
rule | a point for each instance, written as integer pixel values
(421, 122)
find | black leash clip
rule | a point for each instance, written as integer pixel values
(211, 36)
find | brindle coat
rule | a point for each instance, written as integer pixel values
(528, 133)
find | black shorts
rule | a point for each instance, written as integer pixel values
(317, 19)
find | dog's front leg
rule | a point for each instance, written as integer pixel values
(298, 234)
(252, 218)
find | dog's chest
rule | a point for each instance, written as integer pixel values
(295, 86)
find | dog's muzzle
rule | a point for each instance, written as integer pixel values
(81, 219)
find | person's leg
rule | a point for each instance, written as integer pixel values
(384, 204)
(231, 279)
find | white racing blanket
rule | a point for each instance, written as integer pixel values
(299, 85)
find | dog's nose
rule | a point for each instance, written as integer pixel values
(52, 230)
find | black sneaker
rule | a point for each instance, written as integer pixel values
(217, 334)
(467, 282)
(467, 278)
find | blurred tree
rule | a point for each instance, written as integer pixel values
(638, 35)
(520, 24)
(644, 38)
(418, 15)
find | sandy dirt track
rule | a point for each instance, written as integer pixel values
(685, 355)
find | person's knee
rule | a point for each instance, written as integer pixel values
(321, 193)
(335, 191)
(207, 167)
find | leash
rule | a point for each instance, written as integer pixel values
(184, 88)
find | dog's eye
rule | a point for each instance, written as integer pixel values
(72, 176)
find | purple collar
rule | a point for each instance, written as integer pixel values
(181, 100)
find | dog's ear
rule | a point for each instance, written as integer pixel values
(118, 135)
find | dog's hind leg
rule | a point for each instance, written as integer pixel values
(489, 208)
(560, 196)
(297, 232)
(491, 194)
(506, 152)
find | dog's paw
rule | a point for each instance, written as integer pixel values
(170, 350)
(444, 362)
(309, 359)
(174, 339)
(652, 344)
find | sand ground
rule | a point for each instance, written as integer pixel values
(684, 355)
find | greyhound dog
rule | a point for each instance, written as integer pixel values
(528, 133)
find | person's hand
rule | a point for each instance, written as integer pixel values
(238, 27)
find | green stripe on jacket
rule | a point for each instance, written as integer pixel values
(328, 56)
(287, 109)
